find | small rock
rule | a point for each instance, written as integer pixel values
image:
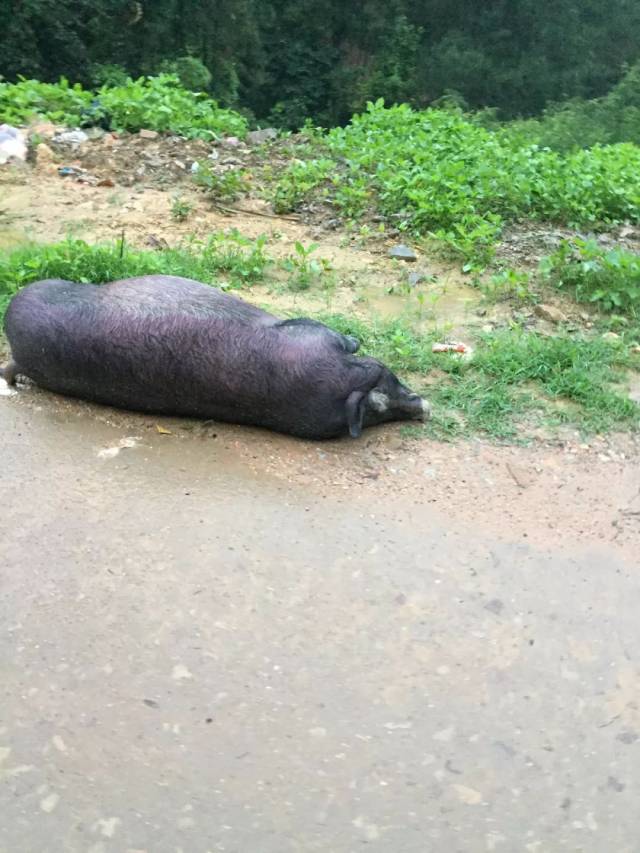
(403, 253)
(627, 737)
(74, 138)
(611, 337)
(106, 182)
(259, 137)
(230, 142)
(550, 313)
(415, 278)
(148, 134)
(44, 156)
(95, 133)
(494, 606)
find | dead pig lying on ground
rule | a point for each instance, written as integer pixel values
(174, 346)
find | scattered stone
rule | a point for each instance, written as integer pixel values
(230, 142)
(415, 278)
(44, 156)
(180, 672)
(48, 804)
(156, 242)
(627, 737)
(106, 182)
(466, 795)
(519, 475)
(550, 313)
(615, 785)
(628, 231)
(148, 134)
(610, 337)
(259, 137)
(95, 133)
(403, 253)
(74, 138)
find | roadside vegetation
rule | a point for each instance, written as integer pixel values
(436, 173)
(155, 103)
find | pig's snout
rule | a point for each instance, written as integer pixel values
(418, 407)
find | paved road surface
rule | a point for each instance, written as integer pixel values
(194, 658)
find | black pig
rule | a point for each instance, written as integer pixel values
(174, 346)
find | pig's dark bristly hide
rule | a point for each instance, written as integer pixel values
(173, 346)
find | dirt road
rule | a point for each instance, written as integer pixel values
(214, 639)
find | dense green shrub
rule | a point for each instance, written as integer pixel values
(435, 171)
(157, 103)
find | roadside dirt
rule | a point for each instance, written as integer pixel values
(559, 493)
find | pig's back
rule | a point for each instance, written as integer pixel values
(126, 345)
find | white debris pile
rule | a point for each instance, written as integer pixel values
(12, 144)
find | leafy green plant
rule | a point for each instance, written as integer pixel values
(609, 278)
(181, 209)
(305, 269)
(156, 103)
(60, 102)
(160, 103)
(298, 181)
(508, 284)
(224, 186)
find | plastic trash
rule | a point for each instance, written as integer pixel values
(452, 346)
(12, 144)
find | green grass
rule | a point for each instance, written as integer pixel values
(228, 260)
(515, 380)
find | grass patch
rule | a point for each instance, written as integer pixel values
(228, 260)
(514, 376)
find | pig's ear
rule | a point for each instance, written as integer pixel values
(355, 413)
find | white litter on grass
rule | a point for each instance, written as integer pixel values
(6, 390)
(12, 144)
(123, 444)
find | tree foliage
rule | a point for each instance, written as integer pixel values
(286, 60)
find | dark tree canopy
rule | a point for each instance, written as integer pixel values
(286, 60)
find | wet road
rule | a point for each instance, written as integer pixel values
(195, 658)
